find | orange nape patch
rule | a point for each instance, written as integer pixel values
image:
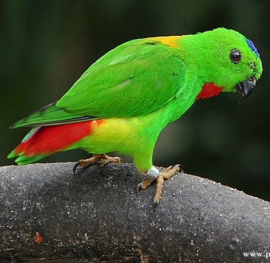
(209, 90)
(49, 139)
(168, 41)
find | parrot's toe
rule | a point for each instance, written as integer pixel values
(102, 159)
(109, 159)
(144, 184)
(161, 177)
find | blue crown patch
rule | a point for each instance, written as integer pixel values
(254, 49)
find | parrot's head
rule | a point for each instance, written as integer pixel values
(229, 60)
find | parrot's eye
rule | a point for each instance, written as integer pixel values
(235, 56)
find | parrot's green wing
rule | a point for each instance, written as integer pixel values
(49, 115)
(135, 78)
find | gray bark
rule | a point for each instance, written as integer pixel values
(97, 216)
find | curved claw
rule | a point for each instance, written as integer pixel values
(181, 169)
(75, 167)
(83, 164)
(156, 201)
(179, 165)
(138, 187)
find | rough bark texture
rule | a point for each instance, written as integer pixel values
(47, 212)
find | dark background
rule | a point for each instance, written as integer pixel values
(46, 45)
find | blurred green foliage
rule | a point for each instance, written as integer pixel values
(46, 45)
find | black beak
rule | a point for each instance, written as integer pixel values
(246, 87)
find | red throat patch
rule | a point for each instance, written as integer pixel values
(209, 90)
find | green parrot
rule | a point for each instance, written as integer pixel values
(127, 97)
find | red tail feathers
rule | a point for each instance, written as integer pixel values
(49, 139)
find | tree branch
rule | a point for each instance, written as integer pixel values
(47, 212)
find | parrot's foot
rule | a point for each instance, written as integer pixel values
(102, 159)
(160, 177)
